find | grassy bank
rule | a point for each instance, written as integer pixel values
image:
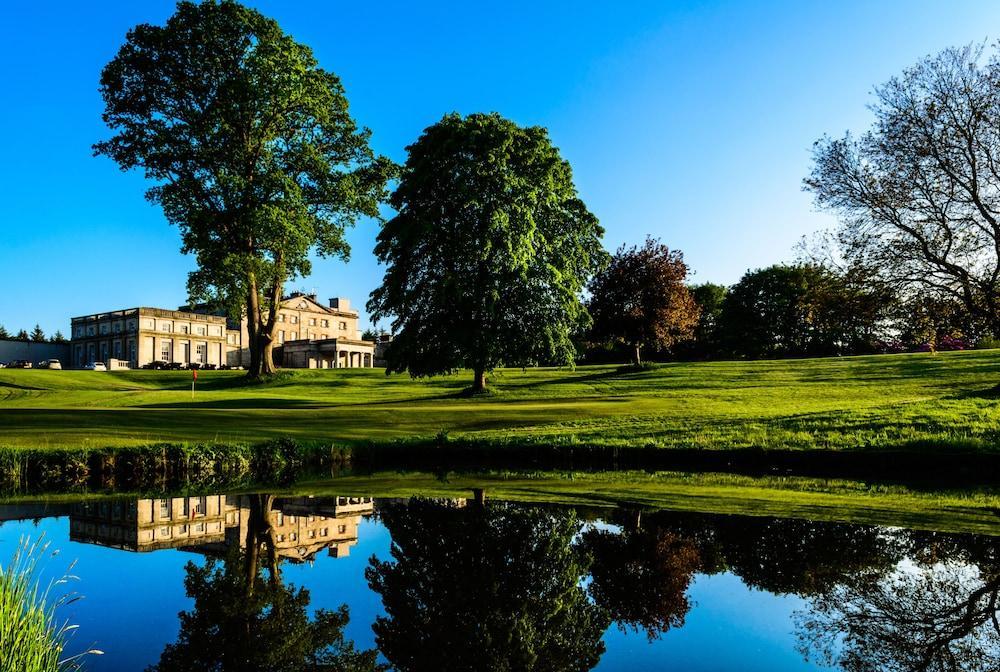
(941, 403)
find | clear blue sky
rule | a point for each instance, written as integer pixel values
(690, 121)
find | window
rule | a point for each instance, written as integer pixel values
(131, 325)
(167, 327)
(343, 326)
(295, 335)
(281, 336)
(183, 529)
(281, 317)
(312, 321)
(341, 529)
(294, 319)
(324, 532)
(117, 349)
(164, 532)
(131, 350)
(281, 537)
(324, 323)
(293, 537)
(312, 534)
(104, 329)
(200, 504)
(185, 329)
(199, 527)
(201, 350)
(325, 336)
(165, 351)
(164, 509)
(200, 331)
(280, 519)
(116, 328)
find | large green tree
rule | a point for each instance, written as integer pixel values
(252, 150)
(641, 300)
(488, 254)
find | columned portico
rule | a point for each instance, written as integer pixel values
(330, 353)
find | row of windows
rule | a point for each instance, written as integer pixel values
(294, 319)
(191, 506)
(104, 328)
(165, 532)
(311, 534)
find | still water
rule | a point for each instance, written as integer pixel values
(264, 582)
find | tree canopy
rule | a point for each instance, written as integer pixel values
(641, 299)
(488, 253)
(252, 150)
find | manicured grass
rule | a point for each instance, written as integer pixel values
(942, 402)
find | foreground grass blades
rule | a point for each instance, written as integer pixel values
(31, 637)
(944, 402)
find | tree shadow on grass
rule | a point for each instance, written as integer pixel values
(22, 387)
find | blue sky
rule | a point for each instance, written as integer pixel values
(689, 121)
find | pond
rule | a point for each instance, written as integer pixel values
(274, 582)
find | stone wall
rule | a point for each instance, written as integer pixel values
(33, 352)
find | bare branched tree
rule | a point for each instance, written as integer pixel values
(919, 193)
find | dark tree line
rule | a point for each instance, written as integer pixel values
(37, 335)
(505, 586)
(805, 309)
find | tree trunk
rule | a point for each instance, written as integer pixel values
(260, 332)
(638, 360)
(479, 380)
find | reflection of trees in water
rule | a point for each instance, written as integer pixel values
(641, 576)
(495, 587)
(243, 621)
(932, 613)
(878, 599)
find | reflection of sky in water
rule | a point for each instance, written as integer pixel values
(131, 601)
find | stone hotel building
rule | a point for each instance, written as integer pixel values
(308, 335)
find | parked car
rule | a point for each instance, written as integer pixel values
(19, 364)
(176, 366)
(50, 364)
(96, 366)
(3, 365)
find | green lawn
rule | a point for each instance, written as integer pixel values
(919, 400)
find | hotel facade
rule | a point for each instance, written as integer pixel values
(307, 335)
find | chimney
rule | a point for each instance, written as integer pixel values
(340, 303)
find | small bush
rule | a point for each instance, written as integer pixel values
(988, 343)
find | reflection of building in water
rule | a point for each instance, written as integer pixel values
(151, 524)
(300, 526)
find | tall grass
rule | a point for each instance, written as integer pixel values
(31, 637)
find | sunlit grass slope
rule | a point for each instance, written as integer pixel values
(944, 401)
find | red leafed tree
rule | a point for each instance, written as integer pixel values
(641, 299)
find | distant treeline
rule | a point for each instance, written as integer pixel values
(803, 309)
(35, 336)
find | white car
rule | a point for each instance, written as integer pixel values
(50, 364)
(96, 366)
